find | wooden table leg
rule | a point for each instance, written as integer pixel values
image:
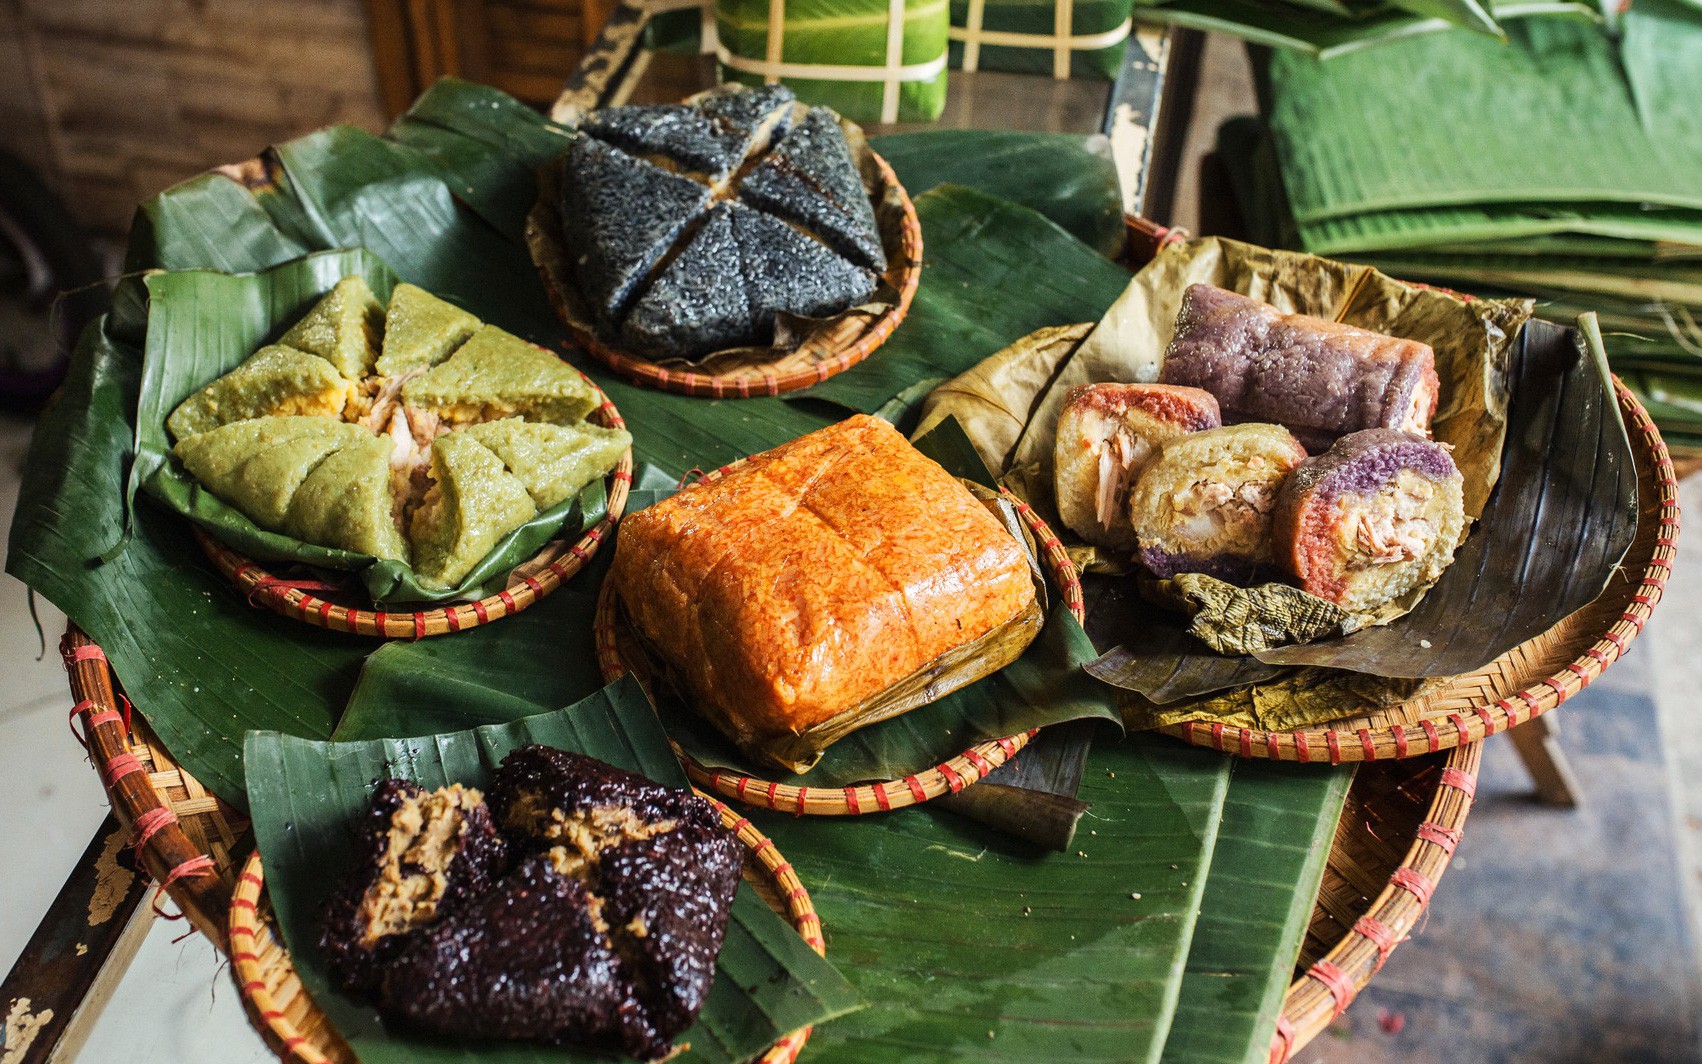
(1556, 783)
(81, 948)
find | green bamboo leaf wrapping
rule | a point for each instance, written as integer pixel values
(308, 796)
(1088, 19)
(969, 945)
(1278, 823)
(838, 34)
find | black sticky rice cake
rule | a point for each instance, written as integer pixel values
(659, 272)
(1376, 516)
(423, 855)
(810, 180)
(606, 934)
(1204, 503)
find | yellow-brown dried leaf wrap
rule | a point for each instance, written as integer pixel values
(814, 577)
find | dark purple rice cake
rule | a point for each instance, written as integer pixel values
(606, 934)
(426, 855)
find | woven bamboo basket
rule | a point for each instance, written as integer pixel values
(1527, 681)
(530, 581)
(1402, 823)
(618, 652)
(298, 1031)
(817, 359)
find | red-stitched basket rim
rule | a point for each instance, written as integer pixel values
(530, 581)
(1486, 718)
(948, 777)
(904, 273)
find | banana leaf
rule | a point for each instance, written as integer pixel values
(308, 796)
(1278, 823)
(1314, 30)
(1063, 178)
(1620, 231)
(1382, 130)
(968, 944)
(836, 53)
(200, 326)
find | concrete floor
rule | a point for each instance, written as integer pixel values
(177, 1005)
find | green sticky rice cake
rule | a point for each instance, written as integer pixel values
(348, 502)
(421, 330)
(495, 375)
(554, 462)
(274, 381)
(258, 465)
(343, 328)
(473, 502)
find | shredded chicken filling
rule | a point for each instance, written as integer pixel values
(1390, 526)
(1120, 453)
(1213, 509)
(584, 835)
(424, 837)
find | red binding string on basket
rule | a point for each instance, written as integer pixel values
(1282, 1043)
(1381, 935)
(1464, 782)
(1447, 838)
(190, 869)
(1415, 883)
(1336, 982)
(151, 823)
(266, 583)
(120, 766)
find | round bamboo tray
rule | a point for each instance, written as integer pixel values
(299, 1032)
(818, 358)
(1402, 822)
(530, 581)
(618, 653)
(1527, 681)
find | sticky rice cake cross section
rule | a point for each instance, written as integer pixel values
(816, 576)
(496, 374)
(274, 381)
(343, 328)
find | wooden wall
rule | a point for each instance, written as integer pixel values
(115, 100)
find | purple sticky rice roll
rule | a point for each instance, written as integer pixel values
(1376, 516)
(1321, 379)
(1203, 504)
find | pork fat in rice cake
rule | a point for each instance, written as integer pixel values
(1321, 379)
(1106, 435)
(1204, 503)
(1376, 516)
(820, 587)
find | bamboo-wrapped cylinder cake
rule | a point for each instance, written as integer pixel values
(832, 582)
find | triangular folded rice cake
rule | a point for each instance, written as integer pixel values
(706, 142)
(348, 502)
(473, 503)
(275, 380)
(420, 330)
(258, 465)
(786, 270)
(496, 374)
(554, 462)
(692, 309)
(343, 328)
(811, 180)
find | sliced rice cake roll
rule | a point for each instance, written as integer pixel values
(554, 462)
(495, 375)
(275, 380)
(348, 502)
(421, 330)
(1321, 379)
(619, 216)
(258, 465)
(1106, 434)
(698, 304)
(472, 503)
(811, 180)
(344, 328)
(785, 270)
(422, 856)
(1376, 516)
(1204, 503)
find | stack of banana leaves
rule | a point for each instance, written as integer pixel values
(1170, 929)
(1564, 164)
(1334, 27)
